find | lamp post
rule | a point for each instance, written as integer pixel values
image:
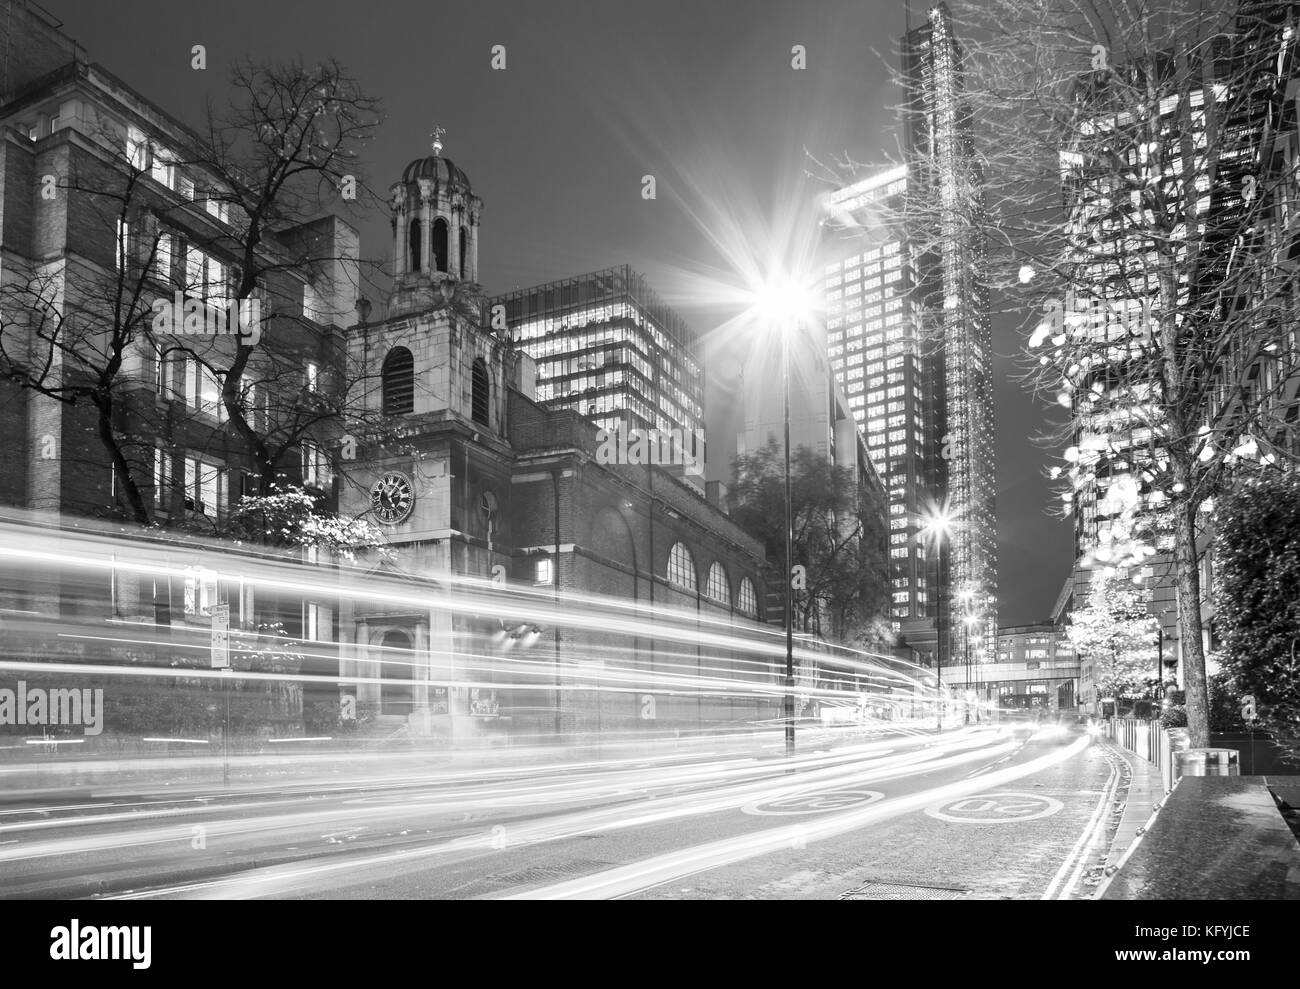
(785, 303)
(789, 551)
(938, 528)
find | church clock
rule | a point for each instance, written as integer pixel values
(392, 497)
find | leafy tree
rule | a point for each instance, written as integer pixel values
(1115, 632)
(839, 538)
(291, 516)
(1257, 566)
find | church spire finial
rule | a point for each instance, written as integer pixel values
(438, 134)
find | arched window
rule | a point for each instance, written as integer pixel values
(681, 567)
(745, 600)
(719, 587)
(464, 252)
(399, 382)
(415, 243)
(440, 244)
(481, 394)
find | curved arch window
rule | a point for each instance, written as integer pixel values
(681, 567)
(464, 252)
(415, 243)
(440, 243)
(480, 393)
(719, 587)
(399, 382)
(745, 600)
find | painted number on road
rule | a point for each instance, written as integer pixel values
(815, 802)
(996, 808)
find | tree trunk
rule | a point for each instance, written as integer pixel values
(1188, 578)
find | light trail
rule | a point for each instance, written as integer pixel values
(648, 873)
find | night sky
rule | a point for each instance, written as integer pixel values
(698, 93)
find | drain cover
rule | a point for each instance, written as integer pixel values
(903, 891)
(537, 874)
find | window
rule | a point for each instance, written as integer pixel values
(315, 471)
(123, 242)
(464, 252)
(480, 393)
(398, 382)
(202, 389)
(162, 476)
(205, 487)
(137, 149)
(415, 243)
(312, 307)
(313, 376)
(681, 567)
(161, 169)
(440, 243)
(719, 587)
(745, 600)
(543, 571)
(163, 258)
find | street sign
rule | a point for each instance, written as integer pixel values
(1247, 707)
(220, 636)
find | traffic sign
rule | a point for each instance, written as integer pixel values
(220, 636)
(1248, 707)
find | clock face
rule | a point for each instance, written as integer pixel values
(392, 497)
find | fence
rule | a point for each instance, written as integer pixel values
(1154, 744)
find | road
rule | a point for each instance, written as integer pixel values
(970, 813)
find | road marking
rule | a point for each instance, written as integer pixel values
(813, 802)
(996, 808)
(1096, 826)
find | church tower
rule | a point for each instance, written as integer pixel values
(435, 218)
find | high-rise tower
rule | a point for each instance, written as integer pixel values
(909, 335)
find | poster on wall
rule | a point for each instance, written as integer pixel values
(483, 702)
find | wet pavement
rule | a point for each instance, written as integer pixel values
(1216, 838)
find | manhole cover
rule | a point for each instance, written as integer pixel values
(903, 891)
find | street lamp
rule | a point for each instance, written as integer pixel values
(937, 528)
(785, 305)
(972, 621)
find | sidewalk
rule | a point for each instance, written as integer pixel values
(1145, 790)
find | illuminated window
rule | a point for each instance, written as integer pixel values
(543, 571)
(718, 588)
(745, 600)
(681, 567)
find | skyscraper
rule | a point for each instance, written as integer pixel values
(911, 341)
(607, 346)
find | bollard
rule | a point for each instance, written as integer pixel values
(1208, 762)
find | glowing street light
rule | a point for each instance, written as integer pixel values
(938, 529)
(785, 304)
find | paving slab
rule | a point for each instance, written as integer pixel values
(1216, 838)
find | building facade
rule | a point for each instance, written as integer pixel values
(609, 348)
(909, 336)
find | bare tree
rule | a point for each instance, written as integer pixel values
(1132, 172)
(210, 277)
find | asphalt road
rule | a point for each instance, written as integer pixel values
(972, 813)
